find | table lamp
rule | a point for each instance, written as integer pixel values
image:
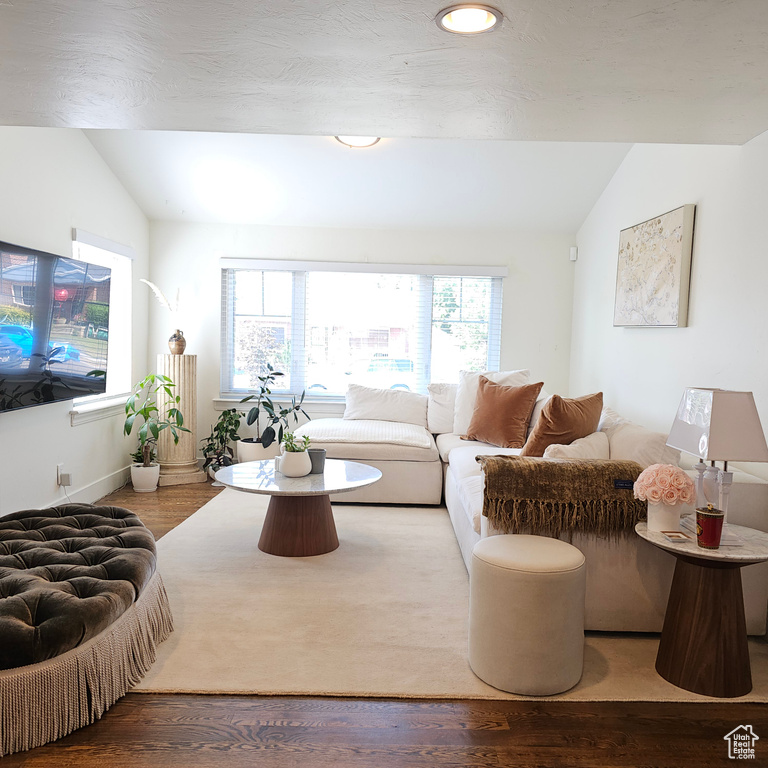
(717, 425)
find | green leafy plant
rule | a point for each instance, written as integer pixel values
(216, 448)
(292, 444)
(276, 418)
(16, 316)
(142, 406)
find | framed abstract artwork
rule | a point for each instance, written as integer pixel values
(654, 271)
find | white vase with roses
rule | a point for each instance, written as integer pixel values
(669, 492)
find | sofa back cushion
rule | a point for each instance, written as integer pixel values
(386, 405)
(440, 407)
(466, 393)
(635, 443)
(564, 420)
(502, 414)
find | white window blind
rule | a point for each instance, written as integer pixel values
(326, 328)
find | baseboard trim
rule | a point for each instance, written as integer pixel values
(96, 490)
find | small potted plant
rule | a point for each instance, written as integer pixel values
(216, 447)
(295, 461)
(275, 419)
(142, 407)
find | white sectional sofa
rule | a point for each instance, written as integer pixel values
(628, 579)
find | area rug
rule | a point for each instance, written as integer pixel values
(384, 615)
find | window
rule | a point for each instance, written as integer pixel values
(117, 329)
(23, 295)
(325, 326)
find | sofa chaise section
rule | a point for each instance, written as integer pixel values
(405, 454)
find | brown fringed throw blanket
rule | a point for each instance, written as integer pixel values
(560, 496)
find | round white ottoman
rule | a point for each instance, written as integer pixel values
(526, 614)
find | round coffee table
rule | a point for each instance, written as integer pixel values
(299, 520)
(703, 645)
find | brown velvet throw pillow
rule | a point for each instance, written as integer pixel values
(502, 413)
(564, 420)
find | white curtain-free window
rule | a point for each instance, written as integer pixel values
(325, 326)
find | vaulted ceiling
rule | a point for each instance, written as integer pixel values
(315, 181)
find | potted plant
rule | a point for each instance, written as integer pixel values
(265, 444)
(216, 447)
(142, 406)
(295, 461)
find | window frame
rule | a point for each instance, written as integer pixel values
(108, 399)
(299, 270)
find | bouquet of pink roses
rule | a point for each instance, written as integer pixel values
(665, 484)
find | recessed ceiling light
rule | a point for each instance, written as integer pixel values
(469, 18)
(358, 141)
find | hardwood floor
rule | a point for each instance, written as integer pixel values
(180, 731)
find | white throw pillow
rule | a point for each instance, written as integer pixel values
(466, 393)
(610, 420)
(386, 405)
(594, 446)
(631, 442)
(440, 408)
(541, 401)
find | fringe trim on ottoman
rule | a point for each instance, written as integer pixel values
(43, 702)
(552, 497)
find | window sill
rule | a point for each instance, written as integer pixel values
(332, 405)
(84, 413)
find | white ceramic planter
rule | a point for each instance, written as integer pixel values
(144, 479)
(294, 464)
(255, 451)
(212, 475)
(663, 517)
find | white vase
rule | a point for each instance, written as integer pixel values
(247, 451)
(294, 464)
(664, 517)
(212, 475)
(144, 479)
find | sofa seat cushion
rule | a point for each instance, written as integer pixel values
(449, 443)
(66, 574)
(368, 439)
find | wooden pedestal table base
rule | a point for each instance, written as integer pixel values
(299, 526)
(299, 521)
(703, 645)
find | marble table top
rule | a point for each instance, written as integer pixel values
(260, 477)
(755, 549)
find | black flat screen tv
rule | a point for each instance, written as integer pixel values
(54, 327)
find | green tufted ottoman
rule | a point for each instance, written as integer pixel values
(82, 610)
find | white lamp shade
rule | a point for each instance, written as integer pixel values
(718, 425)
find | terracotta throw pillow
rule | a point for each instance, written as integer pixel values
(564, 420)
(502, 413)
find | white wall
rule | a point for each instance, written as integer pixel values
(537, 293)
(53, 180)
(643, 371)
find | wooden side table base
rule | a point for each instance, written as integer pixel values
(703, 644)
(299, 526)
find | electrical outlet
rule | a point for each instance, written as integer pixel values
(62, 477)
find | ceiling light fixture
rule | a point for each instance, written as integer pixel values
(358, 141)
(469, 19)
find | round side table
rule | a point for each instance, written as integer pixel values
(703, 645)
(299, 521)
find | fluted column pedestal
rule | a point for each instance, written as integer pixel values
(178, 462)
